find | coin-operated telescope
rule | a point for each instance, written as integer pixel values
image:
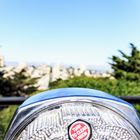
(74, 114)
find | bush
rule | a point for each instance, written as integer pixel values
(112, 86)
(5, 117)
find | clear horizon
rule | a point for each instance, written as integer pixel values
(72, 32)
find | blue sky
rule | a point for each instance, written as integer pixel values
(68, 31)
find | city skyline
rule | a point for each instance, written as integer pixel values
(72, 32)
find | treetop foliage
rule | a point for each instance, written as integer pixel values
(19, 85)
(128, 66)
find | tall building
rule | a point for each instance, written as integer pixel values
(1, 61)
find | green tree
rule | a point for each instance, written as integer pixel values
(128, 66)
(19, 85)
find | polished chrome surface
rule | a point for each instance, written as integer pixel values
(31, 108)
(53, 123)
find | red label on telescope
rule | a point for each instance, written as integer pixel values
(79, 130)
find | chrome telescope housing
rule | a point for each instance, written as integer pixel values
(74, 114)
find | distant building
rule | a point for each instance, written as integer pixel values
(1, 61)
